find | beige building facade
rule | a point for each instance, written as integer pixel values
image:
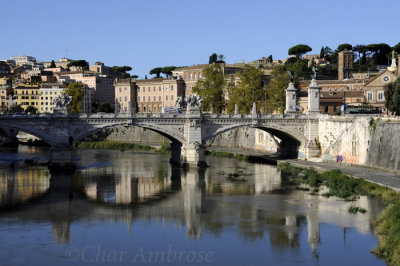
(153, 94)
(125, 95)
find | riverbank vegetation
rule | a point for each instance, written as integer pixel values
(347, 188)
(117, 145)
(225, 154)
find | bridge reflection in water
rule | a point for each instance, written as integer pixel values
(255, 199)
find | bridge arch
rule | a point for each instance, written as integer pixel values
(32, 131)
(290, 140)
(172, 136)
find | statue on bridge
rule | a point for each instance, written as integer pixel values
(61, 101)
(315, 72)
(291, 76)
(188, 102)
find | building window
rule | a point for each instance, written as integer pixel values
(195, 76)
(166, 98)
(120, 90)
(154, 88)
(144, 89)
(148, 89)
(381, 96)
(190, 76)
(126, 98)
(148, 98)
(159, 98)
(144, 98)
(172, 97)
(154, 98)
(369, 96)
(159, 88)
(172, 87)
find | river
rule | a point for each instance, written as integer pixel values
(134, 208)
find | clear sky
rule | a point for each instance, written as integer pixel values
(148, 33)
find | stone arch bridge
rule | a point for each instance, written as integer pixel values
(188, 132)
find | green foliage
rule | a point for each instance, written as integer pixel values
(211, 88)
(396, 48)
(388, 223)
(31, 109)
(167, 71)
(270, 59)
(16, 109)
(76, 91)
(354, 210)
(392, 97)
(156, 71)
(105, 107)
(248, 90)
(299, 50)
(380, 53)
(134, 76)
(344, 46)
(276, 89)
(53, 64)
(121, 71)
(78, 63)
(322, 52)
(215, 58)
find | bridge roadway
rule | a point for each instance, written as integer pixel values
(188, 132)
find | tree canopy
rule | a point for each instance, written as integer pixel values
(215, 58)
(105, 107)
(167, 71)
(16, 109)
(211, 89)
(276, 94)
(31, 109)
(53, 64)
(156, 71)
(78, 63)
(396, 48)
(120, 71)
(392, 97)
(249, 89)
(76, 91)
(299, 50)
(344, 46)
(380, 53)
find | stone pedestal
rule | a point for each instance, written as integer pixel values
(291, 99)
(193, 154)
(314, 98)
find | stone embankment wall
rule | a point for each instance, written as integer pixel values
(374, 142)
(246, 138)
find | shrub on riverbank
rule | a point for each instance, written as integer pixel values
(345, 187)
(116, 145)
(224, 154)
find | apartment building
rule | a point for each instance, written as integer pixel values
(47, 94)
(125, 95)
(192, 74)
(27, 95)
(153, 94)
(102, 86)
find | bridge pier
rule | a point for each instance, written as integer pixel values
(193, 154)
(61, 159)
(10, 137)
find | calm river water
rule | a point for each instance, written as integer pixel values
(132, 208)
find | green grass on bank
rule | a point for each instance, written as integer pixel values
(225, 154)
(117, 145)
(347, 188)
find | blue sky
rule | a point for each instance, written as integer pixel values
(146, 34)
